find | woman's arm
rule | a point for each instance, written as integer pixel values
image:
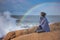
(42, 21)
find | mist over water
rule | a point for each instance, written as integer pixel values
(7, 24)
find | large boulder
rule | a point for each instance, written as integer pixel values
(40, 36)
(55, 27)
(9, 36)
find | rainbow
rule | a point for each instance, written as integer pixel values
(36, 6)
(28, 12)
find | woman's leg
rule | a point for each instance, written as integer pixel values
(39, 30)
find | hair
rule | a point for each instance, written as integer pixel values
(43, 14)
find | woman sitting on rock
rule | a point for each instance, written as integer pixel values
(44, 26)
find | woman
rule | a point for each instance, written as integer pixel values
(43, 27)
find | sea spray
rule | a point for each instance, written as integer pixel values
(7, 24)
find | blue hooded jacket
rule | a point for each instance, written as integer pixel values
(44, 24)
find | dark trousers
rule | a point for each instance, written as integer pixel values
(40, 29)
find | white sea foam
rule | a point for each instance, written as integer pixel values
(7, 24)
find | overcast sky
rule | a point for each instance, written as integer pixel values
(18, 7)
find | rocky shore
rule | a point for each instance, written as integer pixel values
(30, 34)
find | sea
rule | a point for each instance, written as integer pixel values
(33, 20)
